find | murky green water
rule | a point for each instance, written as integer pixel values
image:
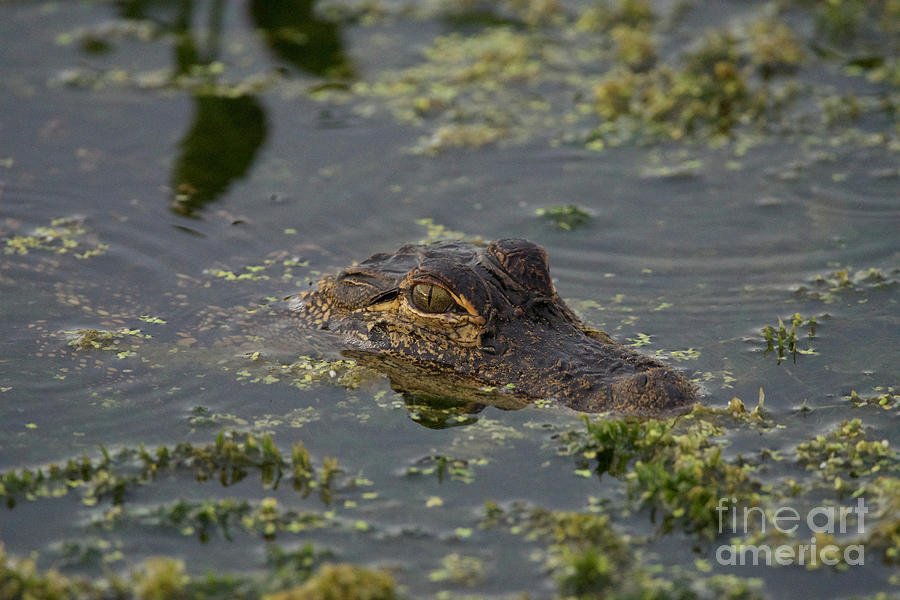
(166, 166)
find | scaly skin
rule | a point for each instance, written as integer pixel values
(506, 325)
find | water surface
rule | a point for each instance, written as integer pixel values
(151, 153)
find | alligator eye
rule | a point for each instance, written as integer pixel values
(431, 298)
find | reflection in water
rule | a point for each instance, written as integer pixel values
(295, 35)
(219, 147)
(436, 412)
(228, 131)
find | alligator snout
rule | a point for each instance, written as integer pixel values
(654, 391)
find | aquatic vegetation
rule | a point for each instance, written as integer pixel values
(829, 286)
(229, 459)
(306, 371)
(843, 456)
(677, 474)
(774, 47)
(160, 578)
(634, 47)
(264, 271)
(96, 339)
(786, 342)
(709, 94)
(459, 570)
(437, 232)
(208, 518)
(338, 581)
(566, 217)
(63, 236)
(458, 136)
(886, 532)
(885, 398)
(589, 559)
(291, 575)
(602, 16)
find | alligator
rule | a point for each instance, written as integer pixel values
(446, 318)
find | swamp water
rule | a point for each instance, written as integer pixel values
(715, 182)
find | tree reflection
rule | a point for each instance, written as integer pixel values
(295, 35)
(227, 131)
(218, 148)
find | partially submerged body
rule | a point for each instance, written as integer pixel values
(454, 319)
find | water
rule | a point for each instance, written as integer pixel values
(166, 188)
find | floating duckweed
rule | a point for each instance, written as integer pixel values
(437, 232)
(65, 235)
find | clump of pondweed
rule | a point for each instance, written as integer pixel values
(787, 342)
(679, 475)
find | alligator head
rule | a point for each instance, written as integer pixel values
(446, 317)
